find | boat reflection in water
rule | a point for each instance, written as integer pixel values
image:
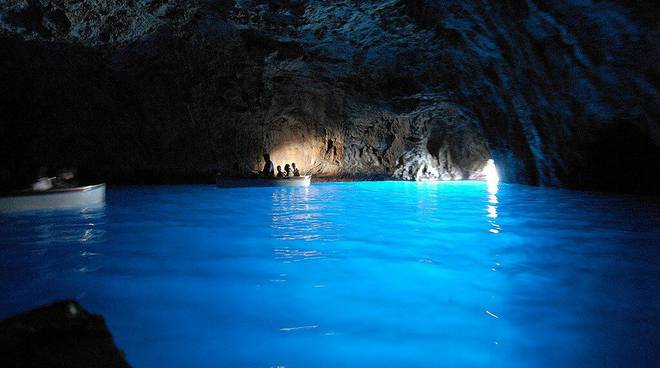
(297, 219)
(54, 243)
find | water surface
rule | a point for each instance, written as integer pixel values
(366, 274)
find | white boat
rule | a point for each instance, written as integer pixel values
(78, 197)
(233, 182)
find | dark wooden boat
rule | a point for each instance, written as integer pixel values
(233, 182)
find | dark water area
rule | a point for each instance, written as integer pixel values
(368, 274)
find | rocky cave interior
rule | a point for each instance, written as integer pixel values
(557, 93)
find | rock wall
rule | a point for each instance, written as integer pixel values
(557, 92)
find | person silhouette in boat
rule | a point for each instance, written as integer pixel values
(280, 174)
(43, 182)
(296, 172)
(66, 178)
(287, 171)
(269, 167)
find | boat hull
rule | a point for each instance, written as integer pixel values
(80, 197)
(298, 181)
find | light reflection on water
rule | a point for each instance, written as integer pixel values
(352, 274)
(295, 216)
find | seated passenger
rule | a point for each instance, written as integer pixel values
(65, 179)
(280, 174)
(43, 183)
(269, 167)
(296, 172)
(289, 172)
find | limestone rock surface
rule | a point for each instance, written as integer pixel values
(562, 92)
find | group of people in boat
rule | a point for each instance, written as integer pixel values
(269, 169)
(66, 178)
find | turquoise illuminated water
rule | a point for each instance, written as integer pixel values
(366, 274)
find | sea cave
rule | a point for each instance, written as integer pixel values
(291, 183)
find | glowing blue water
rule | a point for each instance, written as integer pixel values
(352, 274)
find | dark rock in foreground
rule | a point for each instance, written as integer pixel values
(62, 334)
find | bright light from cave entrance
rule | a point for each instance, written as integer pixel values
(490, 172)
(492, 178)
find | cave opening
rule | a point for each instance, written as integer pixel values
(490, 173)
